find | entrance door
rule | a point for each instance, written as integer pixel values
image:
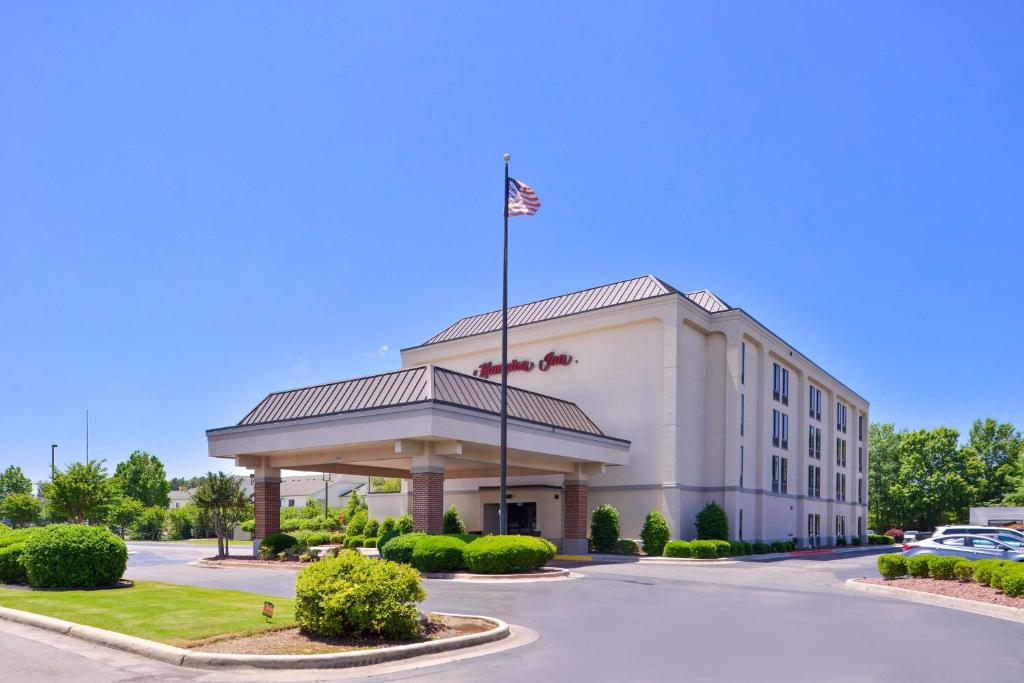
(522, 518)
(491, 524)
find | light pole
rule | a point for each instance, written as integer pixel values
(327, 483)
(53, 461)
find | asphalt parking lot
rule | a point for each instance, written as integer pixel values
(788, 620)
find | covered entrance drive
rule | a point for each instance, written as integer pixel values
(425, 424)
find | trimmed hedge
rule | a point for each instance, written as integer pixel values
(761, 548)
(942, 567)
(655, 533)
(4, 528)
(12, 547)
(337, 539)
(892, 566)
(369, 543)
(703, 550)
(465, 538)
(351, 595)
(722, 548)
(74, 556)
(277, 543)
(318, 538)
(677, 549)
(451, 523)
(964, 571)
(917, 566)
(712, 523)
(1013, 585)
(439, 554)
(983, 570)
(626, 546)
(505, 554)
(354, 541)
(400, 549)
(604, 528)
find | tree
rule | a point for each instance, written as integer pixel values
(150, 525)
(20, 509)
(178, 483)
(937, 479)
(220, 495)
(355, 504)
(885, 510)
(451, 523)
(13, 480)
(712, 523)
(998, 446)
(604, 528)
(81, 494)
(142, 477)
(123, 515)
(655, 533)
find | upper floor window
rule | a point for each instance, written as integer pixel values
(743, 362)
(840, 452)
(743, 412)
(814, 442)
(780, 474)
(860, 491)
(840, 417)
(814, 402)
(813, 481)
(776, 427)
(780, 384)
(860, 427)
(785, 432)
(860, 458)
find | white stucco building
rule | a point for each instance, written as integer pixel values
(634, 394)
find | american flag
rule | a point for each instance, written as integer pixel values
(522, 200)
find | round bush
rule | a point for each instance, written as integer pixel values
(354, 541)
(748, 547)
(337, 539)
(626, 546)
(1003, 572)
(779, 547)
(735, 548)
(712, 523)
(677, 549)
(506, 554)
(451, 523)
(983, 570)
(895, 534)
(351, 595)
(292, 524)
(4, 528)
(1013, 585)
(399, 549)
(942, 567)
(318, 538)
(722, 548)
(439, 554)
(917, 566)
(760, 548)
(74, 556)
(404, 524)
(277, 543)
(604, 529)
(371, 529)
(655, 533)
(369, 542)
(964, 571)
(892, 566)
(703, 550)
(12, 547)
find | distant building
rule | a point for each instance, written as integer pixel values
(998, 516)
(180, 498)
(295, 491)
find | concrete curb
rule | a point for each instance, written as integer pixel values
(210, 660)
(220, 564)
(983, 608)
(548, 574)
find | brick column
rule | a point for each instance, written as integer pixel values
(267, 505)
(427, 499)
(574, 518)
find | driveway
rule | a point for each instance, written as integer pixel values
(788, 620)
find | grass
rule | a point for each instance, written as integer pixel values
(175, 615)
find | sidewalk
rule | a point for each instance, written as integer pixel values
(607, 559)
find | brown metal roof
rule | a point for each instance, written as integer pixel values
(418, 385)
(627, 291)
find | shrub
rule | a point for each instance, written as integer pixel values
(352, 595)
(942, 567)
(249, 526)
(400, 549)
(386, 536)
(404, 524)
(604, 528)
(983, 570)
(370, 542)
(357, 523)
(892, 566)
(74, 556)
(625, 546)
(964, 570)
(291, 524)
(439, 554)
(318, 538)
(655, 533)
(387, 524)
(12, 548)
(703, 550)
(1013, 585)
(735, 548)
(889, 539)
(372, 528)
(337, 539)
(677, 549)
(712, 523)
(895, 534)
(506, 554)
(4, 528)
(748, 547)
(450, 523)
(760, 548)
(779, 547)
(855, 540)
(465, 538)
(840, 541)
(722, 548)
(917, 566)
(354, 541)
(1003, 572)
(790, 546)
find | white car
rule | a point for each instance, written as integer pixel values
(972, 547)
(978, 531)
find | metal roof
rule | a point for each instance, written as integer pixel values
(627, 291)
(418, 385)
(314, 485)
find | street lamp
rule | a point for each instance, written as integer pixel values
(327, 482)
(53, 461)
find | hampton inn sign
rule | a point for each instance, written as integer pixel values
(549, 360)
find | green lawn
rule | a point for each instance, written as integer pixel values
(176, 615)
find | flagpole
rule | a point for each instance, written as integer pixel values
(502, 503)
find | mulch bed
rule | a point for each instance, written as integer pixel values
(953, 589)
(292, 642)
(245, 561)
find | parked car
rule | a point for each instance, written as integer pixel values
(909, 536)
(969, 546)
(978, 530)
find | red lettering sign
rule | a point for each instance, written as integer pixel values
(489, 369)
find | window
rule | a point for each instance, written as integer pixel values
(814, 442)
(860, 526)
(785, 387)
(814, 402)
(776, 381)
(784, 485)
(840, 452)
(986, 543)
(813, 481)
(776, 427)
(291, 502)
(840, 525)
(741, 524)
(776, 473)
(840, 417)
(860, 491)
(840, 488)
(743, 362)
(743, 412)
(814, 530)
(951, 540)
(860, 427)
(785, 432)
(741, 466)
(860, 458)
(810, 442)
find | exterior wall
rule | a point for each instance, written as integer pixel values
(669, 377)
(996, 516)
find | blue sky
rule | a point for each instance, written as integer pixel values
(204, 202)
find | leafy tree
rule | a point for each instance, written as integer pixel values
(937, 479)
(604, 528)
(220, 495)
(385, 484)
(143, 478)
(355, 504)
(150, 525)
(13, 480)
(712, 523)
(451, 523)
(179, 523)
(886, 509)
(313, 508)
(655, 533)
(20, 509)
(403, 525)
(123, 515)
(998, 446)
(81, 494)
(178, 483)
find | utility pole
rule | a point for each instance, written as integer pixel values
(53, 461)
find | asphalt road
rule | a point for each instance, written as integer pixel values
(781, 621)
